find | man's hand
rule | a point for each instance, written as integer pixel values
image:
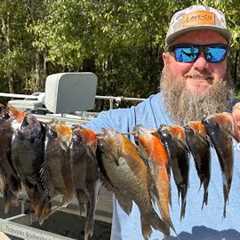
(236, 120)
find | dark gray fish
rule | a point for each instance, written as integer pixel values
(27, 156)
(129, 178)
(197, 141)
(85, 174)
(10, 182)
(173, 138)
(57, 162)
(219, 128)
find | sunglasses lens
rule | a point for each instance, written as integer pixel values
(215, 54)
(186, 54)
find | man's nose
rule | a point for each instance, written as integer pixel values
(200, 63)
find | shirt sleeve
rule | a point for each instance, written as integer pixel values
(116, 118)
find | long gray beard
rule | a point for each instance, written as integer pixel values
(184, 107)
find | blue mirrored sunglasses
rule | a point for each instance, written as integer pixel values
(188, 53)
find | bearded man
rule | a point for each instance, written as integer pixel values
(195, 83)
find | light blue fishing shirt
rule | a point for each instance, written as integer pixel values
(198, 224)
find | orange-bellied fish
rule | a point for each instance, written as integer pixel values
(219, 128)
(129, 178)
(173, 138)
(157, 157)
(57, 160)
(85, 174)
(198, 143)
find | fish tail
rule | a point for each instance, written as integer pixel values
(89, 225)
(205, 199)
(225, 192)
(183, 202)
(82, 200)
(10, 199)
(157, 223)
(205, 195)
(46, 211)
(146, 227)
(91, 207)
(7, 201)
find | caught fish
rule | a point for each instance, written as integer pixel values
(85, 174)
(197, 141)
(10, 183)
(173, 138)
(57, 162)
(158, 160)
(219, 128)
(129, 178)
(27, 156)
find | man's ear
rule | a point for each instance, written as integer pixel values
(165, 57)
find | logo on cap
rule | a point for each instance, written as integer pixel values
(198, 18)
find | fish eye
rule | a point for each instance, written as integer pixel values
(136, 140)
(51, 133)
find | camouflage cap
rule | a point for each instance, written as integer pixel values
(194, 18)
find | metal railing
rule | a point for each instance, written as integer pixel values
(112, 99)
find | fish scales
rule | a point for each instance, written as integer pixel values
(219, 128)
(173, 138)
(197, 140)
(58, 166)
(28, 156)
(85, 174)
(129, 178)
(158, 160)
(10, 182)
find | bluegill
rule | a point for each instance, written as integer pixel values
(174, 140)
(157, 157)
(198, 143)
(85, 174)
(10, 182)
(27, 156)
(129, 178)
(219, 129)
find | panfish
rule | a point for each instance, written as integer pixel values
(27, 156)
(158, 160)
(85, 174)
(10, 182)
(174, 138)
(219, 128)
(198, 143)
(129, 178)
(57, 162)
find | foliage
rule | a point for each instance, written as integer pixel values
(120, 40)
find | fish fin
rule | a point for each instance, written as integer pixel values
(82, 197)
(103, 173)
(45, 210)
(126, 204)
(226, 189)
(205, 198)
(157, 223)
(183, 204)
(44, 177)
(93, 190)
(146, 228)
